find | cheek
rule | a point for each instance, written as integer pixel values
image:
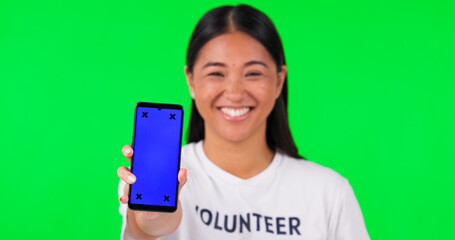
(264, 91)
(206, 93)
(205, 86)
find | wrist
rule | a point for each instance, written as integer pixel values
(158, 224)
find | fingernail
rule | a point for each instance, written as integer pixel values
(120, 198)
(128, 150)
(131, 178)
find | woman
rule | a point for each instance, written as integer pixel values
(246, 178)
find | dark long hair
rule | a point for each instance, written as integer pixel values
(253, 22)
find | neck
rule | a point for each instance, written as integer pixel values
(244, 159)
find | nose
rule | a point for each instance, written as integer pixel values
(234, 89)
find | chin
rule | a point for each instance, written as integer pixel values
(234, 135)
(234, 139)
(234, 132)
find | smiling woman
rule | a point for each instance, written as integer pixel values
(234, 88)
(258, 28)
(247, 179)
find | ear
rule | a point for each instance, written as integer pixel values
(281, 77)
(189, 81)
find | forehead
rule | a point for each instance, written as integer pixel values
(233, 48)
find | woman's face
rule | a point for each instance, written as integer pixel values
(235, 84)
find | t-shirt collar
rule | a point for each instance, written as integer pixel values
(213, 170)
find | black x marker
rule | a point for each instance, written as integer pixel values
(139, 196)
(166, 198)
(172, 116)
(144, 114)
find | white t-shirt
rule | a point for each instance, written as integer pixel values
(290, 199)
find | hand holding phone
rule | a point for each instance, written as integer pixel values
(145, 221)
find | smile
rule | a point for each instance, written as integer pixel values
(235, 112)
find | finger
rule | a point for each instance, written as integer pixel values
(125, 174)
(124, 199)
(127, 151)
(182, 177)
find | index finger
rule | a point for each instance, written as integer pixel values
(127, 151)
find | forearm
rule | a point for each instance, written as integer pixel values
(152, 228)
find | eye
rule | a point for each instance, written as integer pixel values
(254, 74)
(218, 74)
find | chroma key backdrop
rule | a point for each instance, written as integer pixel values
(371, 95)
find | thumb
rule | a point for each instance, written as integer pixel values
(182, 177)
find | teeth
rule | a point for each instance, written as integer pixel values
(235, 112)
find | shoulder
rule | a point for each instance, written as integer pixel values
(313, 173)
(189, 156)
(189, 150)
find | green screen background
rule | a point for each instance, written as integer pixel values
(371, 95)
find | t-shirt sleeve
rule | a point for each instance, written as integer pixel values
(347, 221)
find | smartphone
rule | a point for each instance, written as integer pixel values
(157, 142)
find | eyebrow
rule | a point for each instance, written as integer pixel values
(209, 64)
(256, 62)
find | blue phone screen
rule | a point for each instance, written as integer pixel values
(156, 156)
